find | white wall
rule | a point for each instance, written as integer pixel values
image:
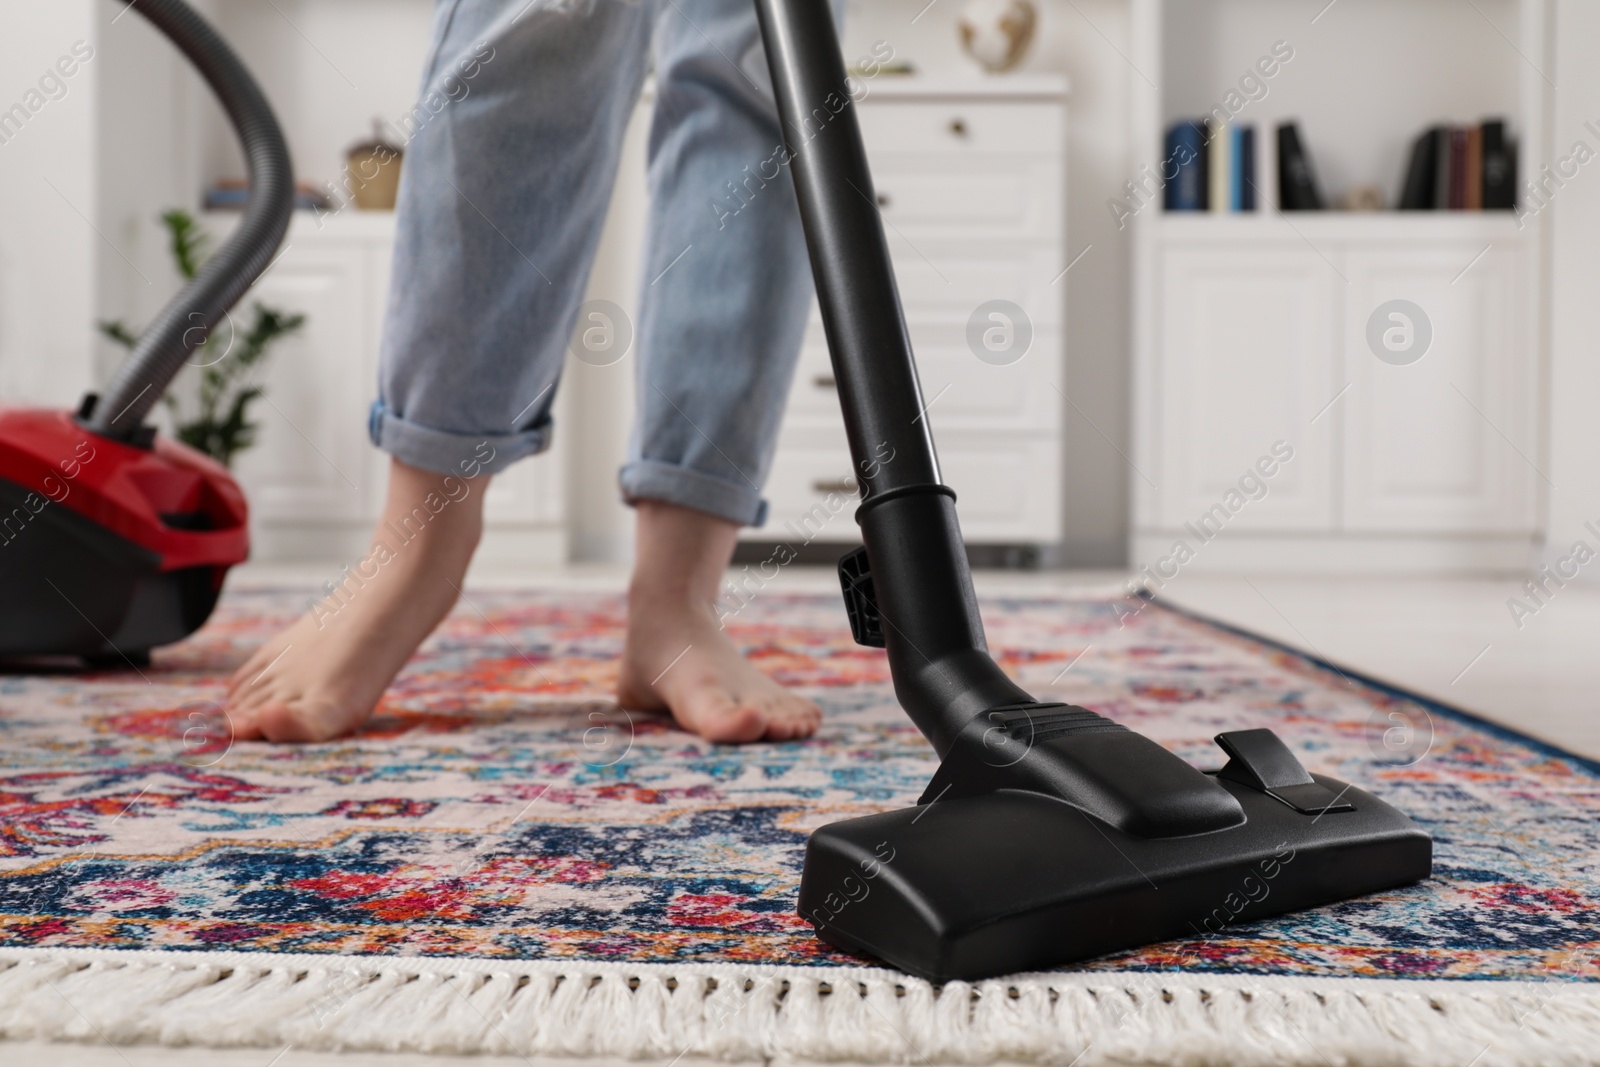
(1090, 40)
(330, 67)
(48, 244)
(1574, 223)
(145, 97)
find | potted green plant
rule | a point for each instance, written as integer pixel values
(217, 420)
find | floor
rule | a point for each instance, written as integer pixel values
(1456, 640)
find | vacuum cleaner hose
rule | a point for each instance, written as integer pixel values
(188, 319)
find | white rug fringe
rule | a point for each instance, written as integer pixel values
(666, 1011)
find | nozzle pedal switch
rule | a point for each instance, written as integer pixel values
(1260, 760)
(855, 577)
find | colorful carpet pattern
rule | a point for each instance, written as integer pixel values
(499, 805)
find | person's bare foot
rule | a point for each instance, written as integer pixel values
(677, 658)
(322, 676)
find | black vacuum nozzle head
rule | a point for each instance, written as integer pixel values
(995, 878)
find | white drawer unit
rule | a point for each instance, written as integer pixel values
(971, 183)
(812, 495)
(927, 196)
(985, 121)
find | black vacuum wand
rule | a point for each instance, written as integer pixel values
(188, 319)
(1049, 833)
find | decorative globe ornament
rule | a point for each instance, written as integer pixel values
(997, 33)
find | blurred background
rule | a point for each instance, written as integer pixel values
(1305, 288)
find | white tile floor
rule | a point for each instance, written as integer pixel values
(1454, 640)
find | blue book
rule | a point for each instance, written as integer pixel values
(1245, 168)
(1235, 174)
(1186, 149)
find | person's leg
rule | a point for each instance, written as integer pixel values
(725, 293)
(508, 171)
(677, 657)
(321, 677)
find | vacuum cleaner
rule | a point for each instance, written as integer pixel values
(114, 540)
(1049, 833)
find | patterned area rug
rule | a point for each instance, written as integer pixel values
(503, 861)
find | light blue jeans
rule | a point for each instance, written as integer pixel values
(503, 195)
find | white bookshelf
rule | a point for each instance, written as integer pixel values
(1250, 328)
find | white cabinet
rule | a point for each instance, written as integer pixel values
(1446, 442)
(970, 181)
(1257, 331)
(1247, 355)
(310, 464)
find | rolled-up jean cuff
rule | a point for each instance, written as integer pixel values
(649, 480)
(468, 454)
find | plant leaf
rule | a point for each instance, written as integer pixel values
(116, 331)
(190, 244)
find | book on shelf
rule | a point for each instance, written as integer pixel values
(1458, 169)
(1297, 183)
(1186, 150)
(1219, 183)
(1499, 168)
(1417, 193)
(1461, 168)
(1472, 198)
(1214, 167)
(1246, 170)
(1441, 172)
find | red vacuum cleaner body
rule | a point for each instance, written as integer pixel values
(111, 548)
(113, 539)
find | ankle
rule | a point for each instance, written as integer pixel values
(677, 600)
(431, 515)
(682, 556)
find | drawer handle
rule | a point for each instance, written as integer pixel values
(825, 381)
(883, 199)
(834, 485)
(958, 127)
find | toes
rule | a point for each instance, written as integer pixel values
(280, 722)
(242, 726)
(717, 717)
(246, 671)
(711, 690)
(245, 704)
(792, 720)
(248, 701)
(242, 719)
(254, 671)
(738, 726)
(786, 730)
